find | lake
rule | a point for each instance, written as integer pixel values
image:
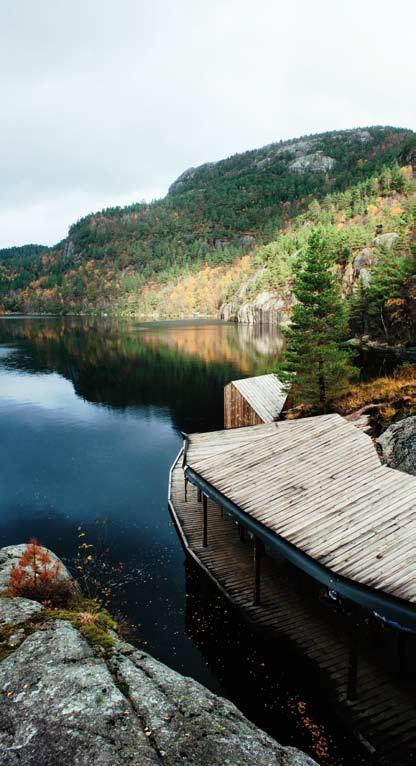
(91, 415)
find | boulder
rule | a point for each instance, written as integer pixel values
(398, 445)
(386, 240)
(64, 701)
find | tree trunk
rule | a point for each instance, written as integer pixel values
(384, 325)
(322, 386)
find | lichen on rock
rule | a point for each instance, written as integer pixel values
(66, 701)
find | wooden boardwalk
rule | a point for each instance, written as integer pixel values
(317, 484)
(383, 716)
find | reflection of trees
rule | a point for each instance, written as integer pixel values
(244, 346)
(183, 367)
(267, 678)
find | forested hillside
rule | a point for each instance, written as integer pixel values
(184, 255)
(22, 252)
(369, 232)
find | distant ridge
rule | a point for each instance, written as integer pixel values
(112, 260)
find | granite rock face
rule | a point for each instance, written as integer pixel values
(398, 445)
(69, 250)
(15, 611)
(268, 307)
(317, 162)
(362, 264)
(64, 701)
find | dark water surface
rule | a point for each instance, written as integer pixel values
(91, 414)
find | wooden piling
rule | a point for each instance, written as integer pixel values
(258, 549)
(205, 520)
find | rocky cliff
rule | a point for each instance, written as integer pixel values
(67, 701)
(274, 305)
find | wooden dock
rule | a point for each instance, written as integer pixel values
(383, 715)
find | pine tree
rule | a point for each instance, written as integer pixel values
(398, 181)
(358, 309)
(316, 361)
(386, 294)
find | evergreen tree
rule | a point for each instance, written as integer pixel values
(398, 181)
(386, 294)
(316, 361)
(358, 309)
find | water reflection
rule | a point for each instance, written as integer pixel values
(276, 686)
(179, 366)
(90, 420)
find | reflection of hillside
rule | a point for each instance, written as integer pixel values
(182, 368)
(240, 345)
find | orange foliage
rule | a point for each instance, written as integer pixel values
(33, 567)
(36, 576)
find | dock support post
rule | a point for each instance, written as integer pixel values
(205, 520)
(241, 533)
(401, 652)
(257, 556)
(199, 495)
(353, 661)
(186, 490)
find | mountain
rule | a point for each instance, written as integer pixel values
(129, 260)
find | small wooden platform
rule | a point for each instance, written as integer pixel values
(383, 716)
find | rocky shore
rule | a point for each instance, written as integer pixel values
(69, 701)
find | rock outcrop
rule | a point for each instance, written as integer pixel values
(268, 307)
(398, 445)
(387, 240)
(64, 701)
(69, 250)
(362, 264)
(317, 162)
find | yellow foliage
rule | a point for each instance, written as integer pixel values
(386, 389)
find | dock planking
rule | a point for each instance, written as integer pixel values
(383, 716)
(318, 484)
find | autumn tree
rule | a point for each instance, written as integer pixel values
(316, 361)
(37, 576)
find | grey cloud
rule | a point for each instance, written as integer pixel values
(105, 102)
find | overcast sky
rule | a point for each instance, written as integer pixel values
(107, 101)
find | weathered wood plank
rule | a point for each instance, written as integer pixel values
(319, 484)
(384, 712)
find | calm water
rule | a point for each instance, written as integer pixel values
(91, 414)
